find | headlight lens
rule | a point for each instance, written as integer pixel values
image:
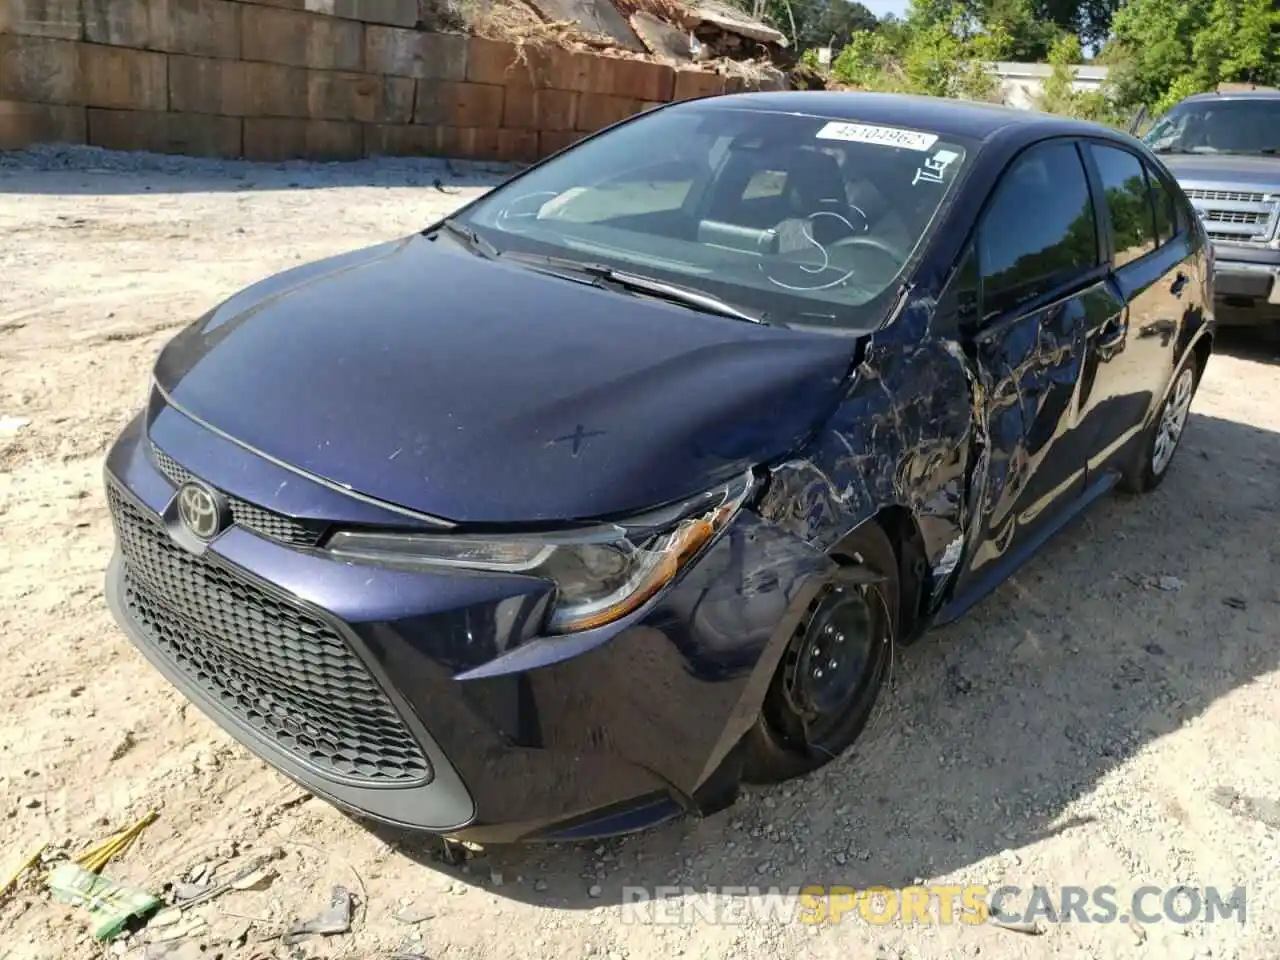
(600, 574)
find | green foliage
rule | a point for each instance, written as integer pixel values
(1165, 50)
(1029, 34)
(823, 22)
(1058, 96)
(866, 62)
(939, 50)
(1160, 51)
(816, 23)
(1061, 97)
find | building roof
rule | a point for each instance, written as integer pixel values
(1042, 71)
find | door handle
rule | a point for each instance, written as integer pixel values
(1179, 284)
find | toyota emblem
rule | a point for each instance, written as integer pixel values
(200, 510)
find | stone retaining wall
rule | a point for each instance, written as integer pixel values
(323, 79)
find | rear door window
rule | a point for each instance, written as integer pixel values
(1166, 207)
(1129, 202)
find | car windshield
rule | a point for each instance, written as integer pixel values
(1219, 126)
(800, 220)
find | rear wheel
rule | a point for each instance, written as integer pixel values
(833, 669)
(1164, 435)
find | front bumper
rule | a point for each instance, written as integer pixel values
(345, 677)
(1246, 283)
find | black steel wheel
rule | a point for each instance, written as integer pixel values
(833, 668)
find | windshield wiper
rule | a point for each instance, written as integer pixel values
(677, 294)
(649, 286)
(470, 239)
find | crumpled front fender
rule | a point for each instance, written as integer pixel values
(908, 433)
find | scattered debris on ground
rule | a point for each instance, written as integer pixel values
(1261, 809)
(334, 919)
(114, 907)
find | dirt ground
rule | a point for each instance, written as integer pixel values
(1112, 716)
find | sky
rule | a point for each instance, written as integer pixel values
(881, 7)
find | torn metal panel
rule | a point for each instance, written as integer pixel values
(732, 20)
(905, 434)
(661, 38)
(594, 16)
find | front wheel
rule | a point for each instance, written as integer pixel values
(1164, 435)
(833, 669)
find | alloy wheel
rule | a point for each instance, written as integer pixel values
(1173, 419)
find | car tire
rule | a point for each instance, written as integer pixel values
(804, 723)
(1161, 440)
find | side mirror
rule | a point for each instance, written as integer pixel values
(1139, 121)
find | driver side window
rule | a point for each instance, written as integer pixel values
(1038, 231)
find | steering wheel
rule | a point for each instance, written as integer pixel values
(852, 218)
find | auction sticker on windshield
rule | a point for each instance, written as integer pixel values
(885, 136)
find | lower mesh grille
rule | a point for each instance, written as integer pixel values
(283, 671)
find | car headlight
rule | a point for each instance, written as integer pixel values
(600, 573)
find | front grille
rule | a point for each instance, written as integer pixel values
(267, 523)
(286, 673)
(1236, 216)
(1234, 196)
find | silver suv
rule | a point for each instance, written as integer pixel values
(1224, 149)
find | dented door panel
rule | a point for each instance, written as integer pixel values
(1032, 367)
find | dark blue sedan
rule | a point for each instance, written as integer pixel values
(618, 487)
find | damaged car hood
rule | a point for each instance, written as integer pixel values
(477, 391)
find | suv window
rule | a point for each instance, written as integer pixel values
(1038, 230)
(1219, 125)
(1165, 205)
(1129, 202)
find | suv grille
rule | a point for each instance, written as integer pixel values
(266, 523)
(1234, 196)
(286, 673)
(1235, 216)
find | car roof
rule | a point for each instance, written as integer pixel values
(1234, 95)
(945, 117)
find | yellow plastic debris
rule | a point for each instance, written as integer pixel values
(97, 856)
(23, 867)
